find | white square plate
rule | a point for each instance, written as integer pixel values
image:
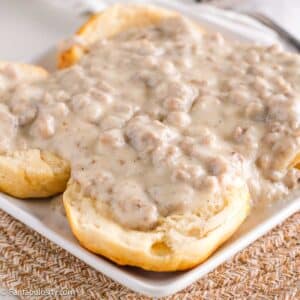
(30, 30)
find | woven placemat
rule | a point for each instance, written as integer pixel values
(35, 268)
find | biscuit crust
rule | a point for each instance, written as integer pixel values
(108, 23)
(180, 242)
(32, 173)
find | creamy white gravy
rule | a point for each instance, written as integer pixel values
(161, 120)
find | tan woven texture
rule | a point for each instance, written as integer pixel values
(268, 269)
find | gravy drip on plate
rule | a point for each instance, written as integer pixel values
(160, 121)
